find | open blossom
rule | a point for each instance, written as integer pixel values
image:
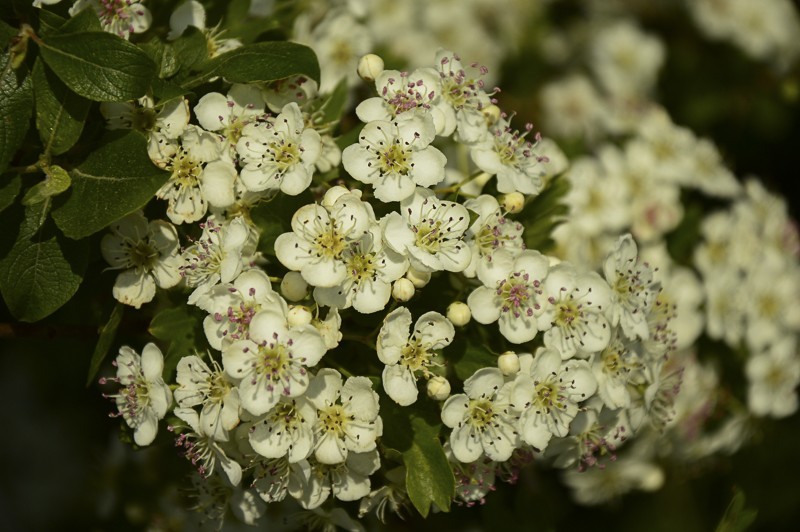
(279, 152)
(409, 353)
(513, 296)
(495, 241)
(773, 376)
(347, 416)
(463, 96)
(148, 254)
(395, 157)
(286, 430)
(203, 450)
(120, 17)
(547, 394)
(273, 362)
(143, 398)
(213, 391)
(430, 232)
(227, 115)
(481, 418)
(346, 481)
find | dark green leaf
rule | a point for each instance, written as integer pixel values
(60, 113)
(98, 65)
(115, 180)
(243, 26)
(737, 517)
(543, 214)
(6, 32)
(9, 190)
(260, 62)
(466, 358)
(166, 90)
(49, 22)
(43, 269)
(16, 106)
(182, 327)
(163, 55)
(107, 335)
(85, 20)
(56, 181)
(190, 49)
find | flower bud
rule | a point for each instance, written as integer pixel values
(491, 113)
(336, 192)
(294, 287)
(420, 279)
(458, 313)
(298, 315)
(512, 202)
(508, 363)
(403, 290)
(370, 67)
(438, 388)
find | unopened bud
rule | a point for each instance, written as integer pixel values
(492, 114)
(512, 202)
(298, 315)
(336, 192)
(420, 279)
(294, 287)
(370, 67)
(403, 289)
(458, 313)
(438, 388)
(508, 363)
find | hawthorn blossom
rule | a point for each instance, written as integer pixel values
(148, 254)
(430, 232)
(228, 115)
(143, 398)
(409, 353)
(120, 17)
(481, 418)
(346, 481)
(773, 376)
(213, 391)
(464, 97)
(202, 450)
(495, 241)
(395, 157)
(285, 430)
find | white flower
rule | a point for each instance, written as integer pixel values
(507, 154)
(219, 398)
(395, 157)
(148, 252)
(232, 305)
(633, 290)
(228, 115)
(371, 268)
(407, 354)
(320, 235)
(481, 418)
(203, 451)
(143, 398)
(279, 153)
(773, 376)
(273, 362)
(298, 89)
(575, 310)
(464, 98)
(276, 477)
(631, 471)
(347, 416)
(286, 430)
(513, 296)
(347, 481)
(217, 256)
(121, 17)
(329, 328)
(430, 232)
(189, 13)
(613, 369)
(548, 394)
(495, 241)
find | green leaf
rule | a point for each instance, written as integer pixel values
(107, 334)
(115, 180)
(56, 181)
(182, 327)
(737, 518)
(413, 431)
(466, 357)
(43, 269)
(16, 106)
(260, 62)
(60, 113)
(163, 55)
(49, 22)
(6, 33)
(99, 66)
(190, 49)
(543, 214)
(333, 106)
(9, 191)
(85, 20)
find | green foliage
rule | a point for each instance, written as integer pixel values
(43, 269)
(467, 357)
(163, 55)
(98, 66)
(543, 214)
(190, 49)
(16, 106)
(414, 433)
(9, 190)
(56, 181)
(115, 180)
(182, 327)
(737, 518)
(107, 335)
(60, 113)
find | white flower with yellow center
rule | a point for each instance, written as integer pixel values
(286, 430)
(148, 254)
(547, 393)
(120, 17)
(273, 362)
(202, 449)
(228, 115)
(481, 418)
(321, 234)
(347, 480)
(279, 153)
(395, 157)
(463, 97)
(143, 398)
(507, 154)
(347, 416)
(408, 354)
(430, 232)
(495, 241)
(371, 269)
(613, 368)
(513, 296)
